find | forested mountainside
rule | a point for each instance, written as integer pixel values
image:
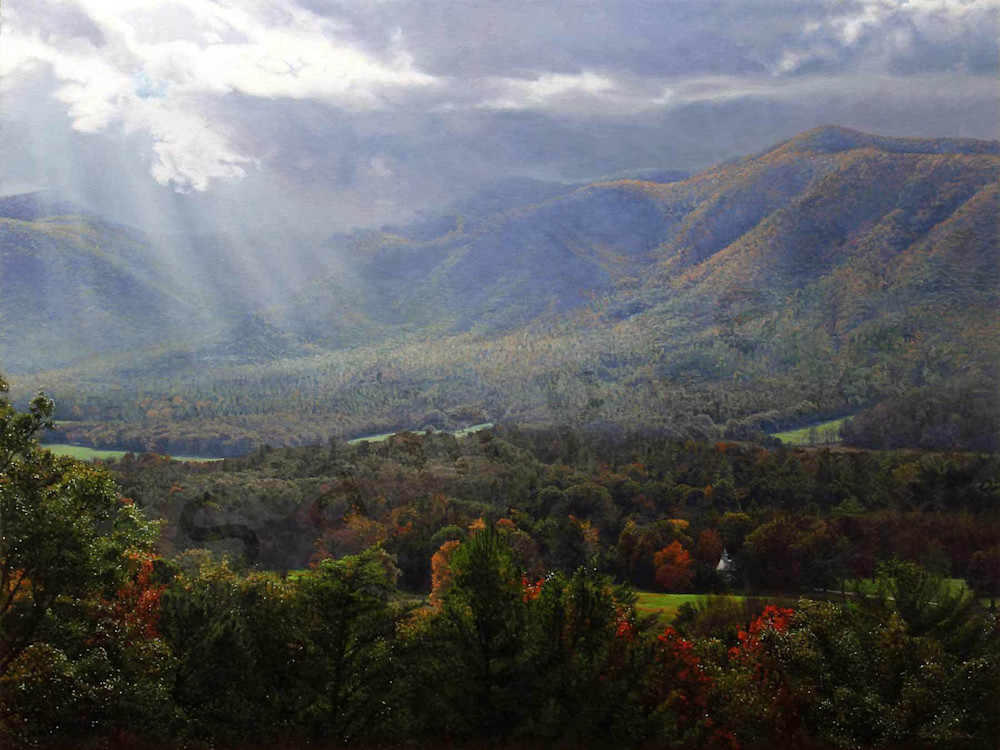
(75, 288)
(71, 285)
(825, 276)
(829, 203)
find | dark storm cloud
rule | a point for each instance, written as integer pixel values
(670, 38)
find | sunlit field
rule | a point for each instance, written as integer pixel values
(382, 437)
(825, 433)
(83, 453)
(666, 606)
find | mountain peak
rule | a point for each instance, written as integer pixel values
(827, 139)
(831, 139)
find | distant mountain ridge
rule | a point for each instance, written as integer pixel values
(784, 215)
(72, 286)
(818, 276)
(834, 139)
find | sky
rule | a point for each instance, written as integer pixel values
(194, 115)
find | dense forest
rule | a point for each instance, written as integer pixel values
(810, 516)
(431, 590)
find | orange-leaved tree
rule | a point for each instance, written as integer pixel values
(674, 567)
(441, 575)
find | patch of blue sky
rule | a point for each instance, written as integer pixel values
(148, 88)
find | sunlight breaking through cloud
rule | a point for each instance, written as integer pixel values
(343, 113)
(158, 60)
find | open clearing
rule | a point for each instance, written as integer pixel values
(83, 453)
(826, 433)
(386, 435)
(667, 605)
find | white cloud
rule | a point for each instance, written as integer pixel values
(849, 28)
(585, 94)
(188, 151)
(214, 89)
(893, 21)
(380, 167)
(91, 88)
(161, 58)
(548, 90)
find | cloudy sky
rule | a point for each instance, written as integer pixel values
(369, 111)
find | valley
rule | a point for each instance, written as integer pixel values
(824, 276)
(626, 441)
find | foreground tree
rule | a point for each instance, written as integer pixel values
(77, 608)
(64, 532)
(581, 647)
(238, 653)
(910, 666)
(482, 626)
(347, 612)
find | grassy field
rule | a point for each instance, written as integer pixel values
(667, 605)
(470, 430)
(386, 435)
(826, 432)
(82, 453)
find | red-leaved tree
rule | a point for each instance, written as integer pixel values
(674, 567)
(678, 691)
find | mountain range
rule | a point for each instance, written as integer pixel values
(820, 277)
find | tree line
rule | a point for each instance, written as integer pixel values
(790, 518)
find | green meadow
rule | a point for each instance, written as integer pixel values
(667, 605)
(826, 432)
(83, 453)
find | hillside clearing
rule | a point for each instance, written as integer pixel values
(83, 453)
(825, 433)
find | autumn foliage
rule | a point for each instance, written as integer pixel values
(137, 603)
(679, 691)
(710, 547)
(532, 589)
(674, 567)
(441, 574)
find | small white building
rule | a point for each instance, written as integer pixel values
(725, 565)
